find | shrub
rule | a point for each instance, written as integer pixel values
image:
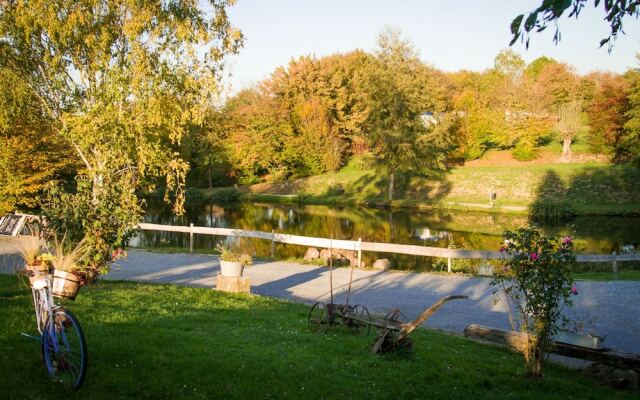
(225, 196)
(552, 210)
(302, 197)
(194, 196)
(524, 151)
(536, 282)
(104, 215)
(335, 190)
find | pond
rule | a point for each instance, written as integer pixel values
(464, 230)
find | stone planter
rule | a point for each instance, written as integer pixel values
(231, 268)
(65, 284)
(579, 339)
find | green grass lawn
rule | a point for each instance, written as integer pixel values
(169, 342)
(623, 275)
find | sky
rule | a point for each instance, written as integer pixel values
(449, 35)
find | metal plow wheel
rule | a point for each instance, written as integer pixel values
(359, 320)
(317, 317)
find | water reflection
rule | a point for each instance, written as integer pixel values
(433, 228)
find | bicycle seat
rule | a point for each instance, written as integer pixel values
(40, 284)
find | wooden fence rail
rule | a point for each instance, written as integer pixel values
(360, 246)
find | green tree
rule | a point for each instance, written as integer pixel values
(203, 147)
(630, 142)
(550, 11)
(401, 88)
(121, 82)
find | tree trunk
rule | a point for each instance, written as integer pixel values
(209, 175)
(566, 149)
(392, 230)
(392, 175)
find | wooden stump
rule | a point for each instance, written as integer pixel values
(233, 284)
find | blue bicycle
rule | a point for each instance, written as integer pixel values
(64, 349)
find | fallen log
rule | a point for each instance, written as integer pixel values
(517, 341)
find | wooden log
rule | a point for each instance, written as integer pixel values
(514, 340)
(233, 284)
(517, 341)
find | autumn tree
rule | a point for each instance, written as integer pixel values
(331, 89)
(259, 138)
(32, 154)
(569, 122)
(607, 114)
(121, 82)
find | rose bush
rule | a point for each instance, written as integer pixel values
(537, 284)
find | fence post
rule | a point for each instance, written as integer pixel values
(273, 244)
(191, 237)
(615, 266)
(449, 264)
(359, 252)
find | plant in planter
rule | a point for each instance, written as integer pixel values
(33, 251)
(231, 263)
(68, 263)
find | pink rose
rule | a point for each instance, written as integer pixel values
(574, 290)
(533, 256)
(567, 240)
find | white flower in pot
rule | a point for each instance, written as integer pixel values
(232, 264)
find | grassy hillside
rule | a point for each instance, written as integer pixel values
(591, 187)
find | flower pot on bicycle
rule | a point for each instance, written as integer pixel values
(65, 284)
(39, 271)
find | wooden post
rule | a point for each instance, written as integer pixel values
(449, 264)
(615, 266)
(191, 237)
(359, 252)
(273, 244)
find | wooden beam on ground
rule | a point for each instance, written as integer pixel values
(517, 340)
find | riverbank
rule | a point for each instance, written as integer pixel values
(587, 188)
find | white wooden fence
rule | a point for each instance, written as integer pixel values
(359, 246)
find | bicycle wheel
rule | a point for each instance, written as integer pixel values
(64, 349)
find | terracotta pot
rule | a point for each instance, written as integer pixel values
(65, 284)
(39, 272)
(231, 268)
